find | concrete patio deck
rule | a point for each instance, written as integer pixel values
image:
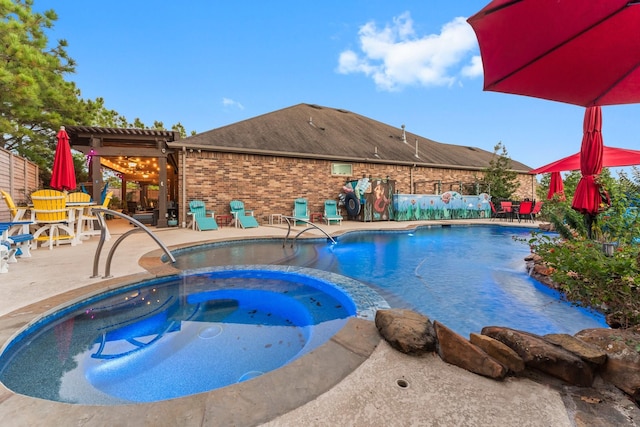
(364, 371)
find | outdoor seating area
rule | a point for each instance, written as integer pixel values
(510, 210)
(51, 219)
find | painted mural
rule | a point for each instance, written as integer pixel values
(369, 199)
(448, 205)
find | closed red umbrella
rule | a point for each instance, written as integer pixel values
(556, 186)
(587, 196)
(63, 174)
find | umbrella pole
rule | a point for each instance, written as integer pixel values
(589, 220)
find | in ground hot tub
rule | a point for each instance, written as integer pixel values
(181, 335)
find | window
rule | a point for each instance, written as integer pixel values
(342, 169)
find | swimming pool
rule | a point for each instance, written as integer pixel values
(466, 277)
(182, 335)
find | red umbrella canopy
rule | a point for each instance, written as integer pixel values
(611, 157)
(556, 186)
(587, 196)
(63, 175)
(574, 51)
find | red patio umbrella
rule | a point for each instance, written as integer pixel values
(611, 157)
(587, 196)
(573, 51)
(63, 175)
(556, 186)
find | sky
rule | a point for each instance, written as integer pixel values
(211, 63)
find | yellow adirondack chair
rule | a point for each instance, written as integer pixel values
(89, 218)
(17, 212)
(78, 197)
(52, 218)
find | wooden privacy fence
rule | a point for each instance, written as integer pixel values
(19, 177)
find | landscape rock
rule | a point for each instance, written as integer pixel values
(456, 350)
(499, 351)
(543, 355)
(622, 368)
(580, 348)
(406, 330)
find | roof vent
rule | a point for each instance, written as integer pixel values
(375, 152)
(417, 156)
(404, 134)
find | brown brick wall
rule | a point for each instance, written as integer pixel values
(270, 184)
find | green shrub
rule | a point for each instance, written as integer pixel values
(587, 277)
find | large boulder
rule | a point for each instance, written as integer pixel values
(622, 347)
(406, 330)
(499, 351)
(544, 356)
(456, 350)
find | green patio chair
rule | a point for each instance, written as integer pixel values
(202, 219)
(331, 212)
(242, 216)
(300, 210)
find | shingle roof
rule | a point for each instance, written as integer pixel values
(314, 131)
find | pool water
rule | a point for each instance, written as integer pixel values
(178, 336)
(465, 277)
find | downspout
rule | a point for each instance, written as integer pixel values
(411, 183)
(183, 211)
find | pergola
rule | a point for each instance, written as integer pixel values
(136, 155)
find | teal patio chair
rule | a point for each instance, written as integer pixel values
(300, 210)
(202, 219)
(331, 212)
(242, 216)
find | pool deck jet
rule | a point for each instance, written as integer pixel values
(355, 379)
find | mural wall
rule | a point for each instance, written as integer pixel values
(448, 205)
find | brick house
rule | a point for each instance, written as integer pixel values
(311, 151)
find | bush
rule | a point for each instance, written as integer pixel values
(587, 277)
(581, 269)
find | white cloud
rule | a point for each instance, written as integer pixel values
(395, 57)
(474, 69)
(227, 102)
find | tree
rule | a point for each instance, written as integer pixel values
(103, 117)
(499, 177)
(36, 99)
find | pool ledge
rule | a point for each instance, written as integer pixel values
(248, 403)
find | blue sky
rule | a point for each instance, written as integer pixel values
(210, 63)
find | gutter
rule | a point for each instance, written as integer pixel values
(290, 154)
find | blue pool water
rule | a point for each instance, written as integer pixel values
(181, 335)
(464, 277)
(245, 308)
